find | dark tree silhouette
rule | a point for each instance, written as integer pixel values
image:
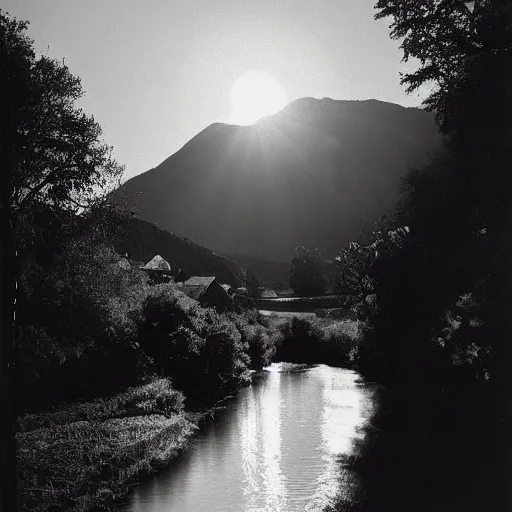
(452, 39)
(252, 283)
(51, 150)
(352, 267)
(306, 275)
(51, 153)
(462, 200)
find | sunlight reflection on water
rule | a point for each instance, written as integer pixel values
(275, 449)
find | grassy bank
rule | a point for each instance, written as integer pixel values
(87, 456)
(316, 340)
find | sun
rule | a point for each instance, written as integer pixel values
(254, 95)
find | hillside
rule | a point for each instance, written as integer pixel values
(142, 240)
(314, 174)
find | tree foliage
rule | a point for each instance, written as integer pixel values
(74, 330)
(306, 275)
(252, 283)
(458, 206)
(353, 264)
(455, 41)
(199, 349)
(51, 151)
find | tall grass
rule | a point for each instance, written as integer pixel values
(86, 455)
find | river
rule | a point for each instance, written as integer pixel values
(275, 448)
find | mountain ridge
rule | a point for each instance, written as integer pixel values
(313, 174)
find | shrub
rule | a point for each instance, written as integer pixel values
(461, 335)
(224, 359)
(300, 343)
(75, 335)
(201, 350)
(261, 346)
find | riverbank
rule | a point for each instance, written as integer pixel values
(89, 455)
(443, 450)
(276, 446)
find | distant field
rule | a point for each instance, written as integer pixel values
(286, 314)
(298, 304)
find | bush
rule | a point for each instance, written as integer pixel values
(75, 335)
(261, 347)
(300, 343)
(225, 362)
(461, 338)
(201, 350)
(319, 341)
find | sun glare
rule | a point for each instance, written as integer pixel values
(254, 95)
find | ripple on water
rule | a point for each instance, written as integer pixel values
(276, 448)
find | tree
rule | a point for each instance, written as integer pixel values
(306, 276)
(465, 54)
(464, 49)
(452, 39)
(353, 265)
(51, 150)
(252, 283)
(51, 153)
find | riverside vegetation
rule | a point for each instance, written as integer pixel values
(172, 353)
(115, 372)
(434, 279)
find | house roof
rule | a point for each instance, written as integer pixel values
(268, 294)
(199, 281)
(226, 287)
(196, 286)
(157, 263)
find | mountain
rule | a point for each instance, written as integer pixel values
(142, 240)
(314, 174)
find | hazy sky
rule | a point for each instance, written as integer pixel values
(157, 72)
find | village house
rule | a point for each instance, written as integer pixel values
(159, 269)
(208, 292)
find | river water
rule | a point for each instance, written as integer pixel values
(275, 448)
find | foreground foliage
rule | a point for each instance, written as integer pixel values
(86, 455)
(437, 304)
(51, 151)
